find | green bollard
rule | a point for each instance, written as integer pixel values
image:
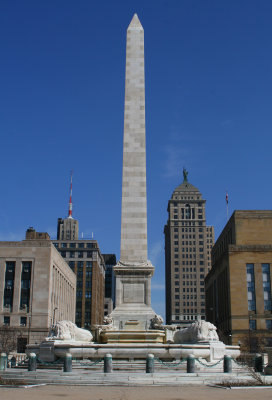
(3, 361)
(227, 364)
(190, 364)
(67, 363)
(258, 363)
(32, 362)
(149, 364)
(107, 363)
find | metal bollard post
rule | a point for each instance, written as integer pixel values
(67, 363)
(227, 364)
(258, 363)
(108, 363)
(32, 362)
(149, 369)
(190, 364)
(3, 361)
(13, 362)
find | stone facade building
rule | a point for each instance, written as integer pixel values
(238, 287)
(36, 287)
(188, 243)
(85, 259)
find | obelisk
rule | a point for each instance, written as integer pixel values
(133, 271)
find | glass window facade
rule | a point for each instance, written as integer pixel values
(268, 323)
(25, 285)
(266, 286)
(9, 284)
(251, 287)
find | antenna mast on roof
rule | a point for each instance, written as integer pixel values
(70, 198)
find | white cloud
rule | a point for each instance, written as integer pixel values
(175, 160)
(157, 286)
(156, 252)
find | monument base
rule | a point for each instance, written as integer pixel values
(56, 349)
(132, 336)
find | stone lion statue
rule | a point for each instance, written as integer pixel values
(108, 321)
(156, 322)
(67, 330)
(199, 331)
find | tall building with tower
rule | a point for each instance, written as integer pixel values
(85, 259)
(68, 227)
(188, 244)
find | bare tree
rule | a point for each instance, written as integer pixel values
(8, 339)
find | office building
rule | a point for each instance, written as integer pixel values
(110, 262)
(238, 287)
(37, 287)
(85, 259)
(188, 243)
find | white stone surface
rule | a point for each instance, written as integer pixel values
(199, 331)
(67, 330)
(134, 223)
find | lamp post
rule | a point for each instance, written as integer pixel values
(54, 313)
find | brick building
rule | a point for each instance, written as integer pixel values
(238, 287)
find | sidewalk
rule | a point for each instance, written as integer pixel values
(132, 393)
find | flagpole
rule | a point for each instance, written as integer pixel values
(227, 205)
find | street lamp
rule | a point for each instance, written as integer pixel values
(54, 313)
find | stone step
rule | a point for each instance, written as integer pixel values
(97, 378)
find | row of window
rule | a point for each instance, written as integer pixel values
(80, 264)
(88, 294)
(198, 223)
(191, 310)
(253, 324)
(23, 321)
(78, 254)
(25, 284)
(187, 290)
(189, 249)
(74, 245)
(251, 295)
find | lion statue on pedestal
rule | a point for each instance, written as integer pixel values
(199, 331)
(67, 330)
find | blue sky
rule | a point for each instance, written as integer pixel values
(208, 107)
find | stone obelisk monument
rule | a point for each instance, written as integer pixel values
(133, 271)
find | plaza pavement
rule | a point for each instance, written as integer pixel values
(132, 393)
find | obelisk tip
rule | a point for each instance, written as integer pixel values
(135, 23)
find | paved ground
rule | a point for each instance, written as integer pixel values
(132, 393)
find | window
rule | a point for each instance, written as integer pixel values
(72, 245)
(80, 254)
(266, 286)
(23, 321)
(56, 245)
(81, 245)
(187, 211)
(250, 287)
(252, 324)
(6, 321)
(63, 245)
(268, 323)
